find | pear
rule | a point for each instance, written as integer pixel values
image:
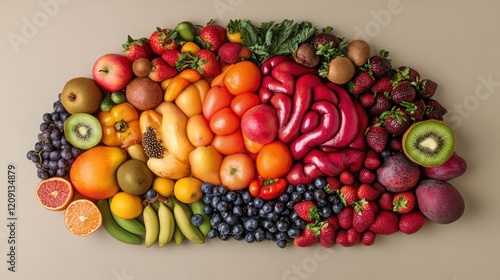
(81, 95)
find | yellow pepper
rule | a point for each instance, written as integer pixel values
(120, 125)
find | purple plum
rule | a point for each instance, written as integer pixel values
(439, 201)
(398, 173)
(452, 168)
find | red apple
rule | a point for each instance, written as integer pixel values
(112, 72)
(260, 124)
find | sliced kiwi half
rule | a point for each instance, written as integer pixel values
(83, 130)
(429, 143)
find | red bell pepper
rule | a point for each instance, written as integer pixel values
(267, 189)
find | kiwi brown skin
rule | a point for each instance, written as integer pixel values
(81, 95)
(340, 70)
(83, 119)
(409, 153)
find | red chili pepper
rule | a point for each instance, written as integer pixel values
(267, 189)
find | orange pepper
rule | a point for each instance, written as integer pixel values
(120, 125)
(180, 82)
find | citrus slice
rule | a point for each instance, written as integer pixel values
(54, 193)
(82, 217)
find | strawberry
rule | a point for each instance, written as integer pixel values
(341, 238)
(325, 37)
(348, 194)
(411, 222)
(160, 70)
(408, 74)
(377, 138)
(415, 109)
(233, 52)
(382, 85)
(368, 238)
(382, 104)
(173, 57)
(308, 236)
(366, 176)
(353, 237)
(434, 110)
(137, 48)
(385, 223)
(379, 65)
(395, 121)
(427, 88)
(361, 83)
(403, 91)
(385, 201)
(211, 36)
(333, 221)
(367, 99)
(345, 217)
(162, 40)
(347, 177)
(368, 192)
(326, 234)
(404, 202)
(372, 160)
(206, 63)
(333, 184)
(364, 214)
(307, 210)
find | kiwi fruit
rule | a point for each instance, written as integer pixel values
(141, 67)
(81, 95)
(429, 143)
(134, 177)
(83, 130)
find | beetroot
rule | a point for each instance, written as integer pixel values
(398, 173)
(452, 168)
(439, 201)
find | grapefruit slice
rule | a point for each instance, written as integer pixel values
(82, 217)
(54, 193)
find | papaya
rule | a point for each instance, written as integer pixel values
(165, 140)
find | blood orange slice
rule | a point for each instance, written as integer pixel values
(82, 217)
(54, 193)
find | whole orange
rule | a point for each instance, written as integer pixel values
(243, 76)
(274, 160)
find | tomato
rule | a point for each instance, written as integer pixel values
(244, 101)
(224, 122)
(217, 97)
(237, 171)
(229, 144)
(274, 160)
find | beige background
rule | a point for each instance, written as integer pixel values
(456, 44)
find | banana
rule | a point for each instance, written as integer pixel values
(167, 225)
(182, 215)
(197, 208)
(112, 226)
(178, 236)
(151, 224)
(130, 225)
(136, 151)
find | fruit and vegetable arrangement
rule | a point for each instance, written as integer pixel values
(278, 131)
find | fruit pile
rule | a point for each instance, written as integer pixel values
(280, 131)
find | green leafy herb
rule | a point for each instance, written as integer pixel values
(271, 38)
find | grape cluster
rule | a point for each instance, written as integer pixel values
(53, 154)
(239, 215)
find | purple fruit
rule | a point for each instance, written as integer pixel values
(398, 173)
(452, 168)
(439, 201)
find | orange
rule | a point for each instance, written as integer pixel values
(82, 217)
(188, 190)
(198, 131)
(224, 122)
(229, 144)
(243, 76)
(54, 193)
(274, 160)
(163, 186)
(126, 206)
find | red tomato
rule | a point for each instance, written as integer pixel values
(224, 122)
(237, 171)
(217, 98)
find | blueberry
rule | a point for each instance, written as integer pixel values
(207, 209)
(206, 187)
(224, 228)
(238, 237)
(250, 237)
(282, 226)
(222, 206)
(290, 204)
(213, 233)
(151, 194)
(285, 197)
(308, 195)
(281, 243)
(252, 211)
(299, 223)
(319, 194)
(246, 196)
(296, 197)
(279, 207)
(281, 235)
(272, 216)
(252, 224)
(293, 232)
(197, 220)
(337, 208)
(385, 153)
(320, 183)
(231, 196)
(231, 219)
(207, 198)
(326, 212)
(238, 211)
(311, 187)
(260, 235)
(268, 207)
(237, 229)
(215, 220)
(222, 189)
(215, 201)
(224, 237)
(321, 203)
(258, 202)
(238, 200)
(301, 188)
(333, 198)
(289, 188)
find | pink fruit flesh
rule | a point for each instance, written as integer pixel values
(439, 201)
(398, 173)
(455, 166)
(260, 124)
